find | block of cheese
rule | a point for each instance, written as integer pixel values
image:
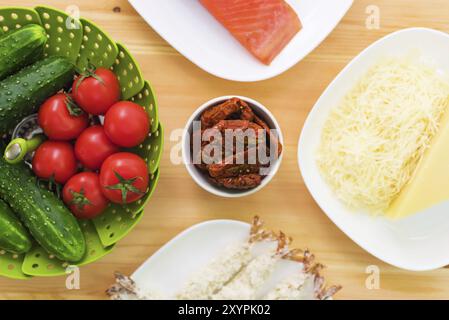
(430, 184)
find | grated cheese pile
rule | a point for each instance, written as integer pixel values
(373, 141)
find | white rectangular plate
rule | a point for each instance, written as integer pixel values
(191, 30)
(172, 266)
(416, 243)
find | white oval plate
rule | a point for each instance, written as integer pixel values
(191, 30)
(416, 243)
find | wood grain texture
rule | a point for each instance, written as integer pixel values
(285, 203)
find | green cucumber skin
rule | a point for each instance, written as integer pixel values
(19, 48)
(22, 93)
(14, 237)
(50, 223)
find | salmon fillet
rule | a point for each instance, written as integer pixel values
(264, 27)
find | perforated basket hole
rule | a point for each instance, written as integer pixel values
(42, 263)
(64, 33)
(71, 42)
(11, 265)
(128, 73)
(39, 263)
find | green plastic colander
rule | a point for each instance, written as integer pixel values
(82, 42)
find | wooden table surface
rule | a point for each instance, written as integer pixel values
(285, 203)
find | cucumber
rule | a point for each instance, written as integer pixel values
(22, 93)
(14, 237)
(50, 223)
(22, 47)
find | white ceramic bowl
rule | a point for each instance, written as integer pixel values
(419, 242)
(192, 249)
(199, 177)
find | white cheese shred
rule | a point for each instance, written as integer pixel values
(373, 140)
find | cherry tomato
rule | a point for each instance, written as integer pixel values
(127, 124)
(82, 194)
(61, 119)
(96, 91)
(124, 178)
(93, 147)
(55, 160)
